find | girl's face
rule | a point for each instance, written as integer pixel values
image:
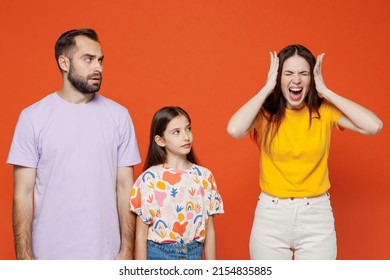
(295, 81)
(177, 137)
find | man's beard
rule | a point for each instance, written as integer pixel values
(81, 84)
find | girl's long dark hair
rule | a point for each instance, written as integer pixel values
(274, 107)
(156, 154)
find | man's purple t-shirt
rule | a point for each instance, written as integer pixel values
(76, 150)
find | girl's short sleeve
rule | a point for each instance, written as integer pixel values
(138, 204)
(216, 203)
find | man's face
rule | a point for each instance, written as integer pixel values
(86, 66)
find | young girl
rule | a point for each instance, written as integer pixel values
(291, 119)
(175, 199)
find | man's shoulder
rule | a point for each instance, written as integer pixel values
(45, 101)
(110, 103)
(41, 105)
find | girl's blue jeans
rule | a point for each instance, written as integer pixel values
(174, 251)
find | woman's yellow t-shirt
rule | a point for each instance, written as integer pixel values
(298, 163)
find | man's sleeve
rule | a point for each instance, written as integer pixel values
(128, 153)
(24, 150)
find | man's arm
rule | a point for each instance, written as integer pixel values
(22, 211)
(141, 235)
(125, 181)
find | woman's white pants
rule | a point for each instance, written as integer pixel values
(293, 228)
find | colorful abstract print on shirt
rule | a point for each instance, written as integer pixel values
(176, 203)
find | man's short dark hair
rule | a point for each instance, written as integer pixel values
(66, 43)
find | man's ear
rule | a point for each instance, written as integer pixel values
(159, 141)
(64, 63)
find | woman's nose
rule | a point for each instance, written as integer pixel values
(296, 79)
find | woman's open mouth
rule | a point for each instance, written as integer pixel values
(295, 93)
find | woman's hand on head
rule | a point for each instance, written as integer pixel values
(273, 72)
(319, 80)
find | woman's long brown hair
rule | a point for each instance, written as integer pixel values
(274, 107)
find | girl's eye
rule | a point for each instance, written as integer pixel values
(175, 132)
(88, 59)
(189, 128)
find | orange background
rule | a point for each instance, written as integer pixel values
(211, 56)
